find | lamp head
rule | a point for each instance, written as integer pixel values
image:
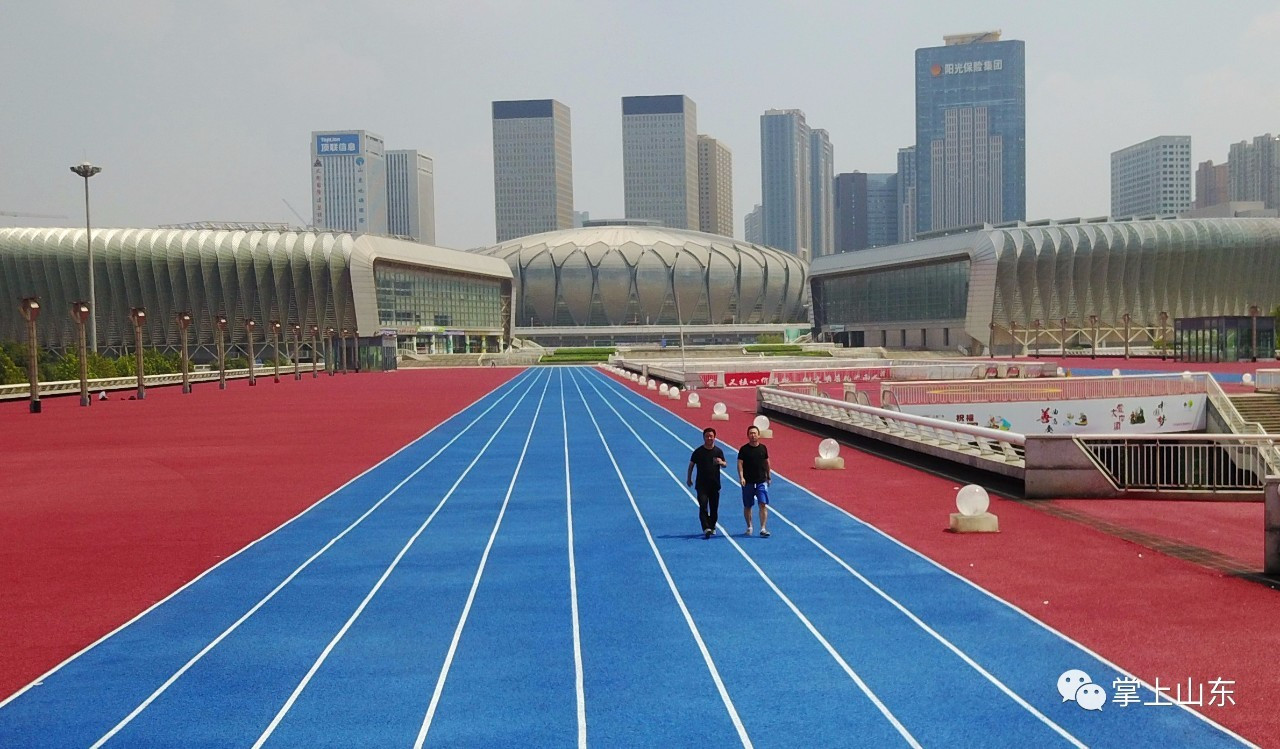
(275, 326)
(138, 315)
(31, 308)
(80, 312)
(249, 324)
(86, 170)
(221, 320)
(184, 320)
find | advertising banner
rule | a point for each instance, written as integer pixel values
(1152, 414)
(340, 143)
(745, 379)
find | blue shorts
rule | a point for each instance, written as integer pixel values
(752, 493)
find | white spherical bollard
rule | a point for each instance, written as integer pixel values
(1247, 378)
(829, 456)
(972, 500)
(674, 393)
(694, 401)
(653, 385)
(663, 388)
(719, 412)
(761, 422)
(1115, 373)
(1061, 371)
(1186, 376)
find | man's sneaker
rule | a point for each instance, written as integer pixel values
(706, 532)
(764, 533)
(748, 530)
(711, 532)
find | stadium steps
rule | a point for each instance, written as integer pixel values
(1263, 408)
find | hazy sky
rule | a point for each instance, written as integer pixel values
(203, 111)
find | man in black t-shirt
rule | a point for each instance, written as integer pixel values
(754, 475)
(708, 459)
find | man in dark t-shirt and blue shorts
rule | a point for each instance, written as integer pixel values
(755, 476)
(708, 459)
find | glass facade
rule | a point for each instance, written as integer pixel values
(1227, 338)
(412, 298)
(970, 134)
(936, 291)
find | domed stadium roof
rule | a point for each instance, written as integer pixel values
(641, 275)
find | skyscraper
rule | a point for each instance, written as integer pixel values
(1213, 184)
(753, 225)
(906, 194)
(866, 208)
(1255, 170)
(715, 187)
(821, 183)
(532, 167)
(660, 159)
(786, 189)
(970, 132)
(1152, 177)
(411, 195)
(348, 181)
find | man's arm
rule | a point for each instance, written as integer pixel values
(768, 472)
(741, 480)
(688, 479)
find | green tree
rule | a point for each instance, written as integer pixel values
(10, 372)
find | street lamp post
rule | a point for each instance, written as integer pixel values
(1253, 318)
(139, 317)
(1093, 341)
(31, 312)
(1063, 323)
(297, 349)
(1017, 345)
(248, 329)
(1127, 318)
(1164, 320)
(1036, 323)
(275, 347)
(87, 170)
(80, 313)
(221, 321)
(315, 351)
(343, 339)
(184, 321)
(330, 364)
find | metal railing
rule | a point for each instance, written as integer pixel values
(1182, 462)
(1267, 380)
(1237, 425)
(990, 444)
(65, 387)
(1061, 388)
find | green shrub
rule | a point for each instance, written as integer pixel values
(10, 372)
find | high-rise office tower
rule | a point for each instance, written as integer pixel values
(821, 183)
(906, 194)
(970, 132)
(866, 208)
(1255, 170)
(1213, 184)
(411, 195)
(660, 159)
(753, 225)
(785, 185)
(715, 187)
(1152, 177)
(532, 167)
(348, 181)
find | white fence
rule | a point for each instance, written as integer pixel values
(1267, 380)
(1061, 388)
(66, 387)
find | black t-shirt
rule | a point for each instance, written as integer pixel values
(708, 470)
(753, 459)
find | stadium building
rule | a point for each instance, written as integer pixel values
(617, 283)
(1016, 286)
(388, 293)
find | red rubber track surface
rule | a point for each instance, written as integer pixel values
(106, 510)
(1155, 615)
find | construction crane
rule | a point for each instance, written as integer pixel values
(24, 214)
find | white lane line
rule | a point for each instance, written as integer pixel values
(839, 659)
(671, 583)
(961, 578)
(40, 679)
(573, 581)
(288, 704)
(245, 617)
(475, 584)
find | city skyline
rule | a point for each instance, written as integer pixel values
(191, 122)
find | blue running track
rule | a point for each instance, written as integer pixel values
(532, 573)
